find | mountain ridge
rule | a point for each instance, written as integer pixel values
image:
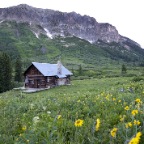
(44, 35)
(57, 23)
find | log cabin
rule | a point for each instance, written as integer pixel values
(46, 75)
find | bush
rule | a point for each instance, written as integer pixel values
(137, 79)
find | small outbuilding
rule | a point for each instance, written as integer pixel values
(46, 75)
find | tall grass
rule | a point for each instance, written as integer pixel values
(114, 105)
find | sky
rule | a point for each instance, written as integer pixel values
(125, 15)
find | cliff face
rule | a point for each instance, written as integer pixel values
(56, 23)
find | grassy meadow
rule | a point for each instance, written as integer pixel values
(92, 111)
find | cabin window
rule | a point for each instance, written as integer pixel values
(48, 79)
(31, 82)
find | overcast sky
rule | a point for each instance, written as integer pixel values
(125, 15)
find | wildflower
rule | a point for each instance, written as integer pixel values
(113, 132)
(59, 116)
(31, 106)
(36, 119)
(119, 101)
(48, 112)
(138, 134)
(78, 123)
(44, 107)
(134, 112)
(97, 124)
(136, 122)
(114, 99)
(27, 141)
(129, 124)
(138, 100)
(24, 128)
(136, 139)
(122, 118)
(126, 108)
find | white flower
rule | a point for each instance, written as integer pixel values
(48, 112)
(36, 119)
(31, 106)
(44, 107)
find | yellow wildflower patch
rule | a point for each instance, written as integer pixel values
(113, 132)
(136, 122)
(24, 128)
(134, 112)
(97, 124)
(129, 124)
(59, 116)
(78, 123)
(126, 108)
(138, 100)
(136, 139)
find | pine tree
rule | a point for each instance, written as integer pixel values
(124, 69)
(18, 70)
(1, 73)
(80, 70)
(5, 72)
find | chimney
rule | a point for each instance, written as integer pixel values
(59, 67)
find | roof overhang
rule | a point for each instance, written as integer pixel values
(61, 76)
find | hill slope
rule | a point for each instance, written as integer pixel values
(47, 35)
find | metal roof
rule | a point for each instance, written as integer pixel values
(51, 69)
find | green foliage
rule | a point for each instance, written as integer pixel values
(138, 78)
(5, 72)
(18, 70)
(19, 40)
(80, 70)
(123, 69)
(49, 116)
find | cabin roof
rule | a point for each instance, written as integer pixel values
(48, 69)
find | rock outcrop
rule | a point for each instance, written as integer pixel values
(56, 23)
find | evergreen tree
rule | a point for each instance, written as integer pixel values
(18, 70)
(80, 70)
(124, 69)
(5, 72)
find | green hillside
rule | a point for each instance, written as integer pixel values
(18, 39)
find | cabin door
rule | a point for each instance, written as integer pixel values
(37, 83)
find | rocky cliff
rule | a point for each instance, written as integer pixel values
(55, 23)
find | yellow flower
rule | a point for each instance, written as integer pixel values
(24, 128)
(119, 101)
(136, 122)
(97, 124)
(138, 134)
(78, 123)
(136, 139)
(134, 112)
(59, 116)
(122, 118)
(129, 124)
(126, 108)
(114, 99)
(138, 100)
(113, 132)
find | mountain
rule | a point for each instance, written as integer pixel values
(30, 32)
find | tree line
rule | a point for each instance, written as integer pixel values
(9, 73)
